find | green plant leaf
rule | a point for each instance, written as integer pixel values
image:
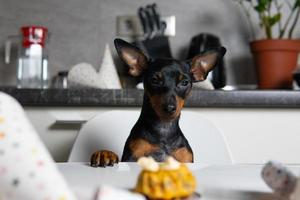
(274, 19)
(271, 21)
(297, 4)
(265, 21)
(262, 5)
(260, 8)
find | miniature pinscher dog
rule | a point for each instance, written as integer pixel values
(167, 83)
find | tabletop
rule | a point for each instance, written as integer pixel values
(213, 181)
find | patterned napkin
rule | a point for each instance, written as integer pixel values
(281, 180)
(27, 170)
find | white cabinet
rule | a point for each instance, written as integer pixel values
(253, 135)
(258, 135)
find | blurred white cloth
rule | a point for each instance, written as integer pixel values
(27, 171)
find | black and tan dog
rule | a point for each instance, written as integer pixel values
(167, 83)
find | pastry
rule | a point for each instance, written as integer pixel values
(168, 180)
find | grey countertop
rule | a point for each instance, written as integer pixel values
(133, 98)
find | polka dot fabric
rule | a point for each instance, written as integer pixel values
(27, 171)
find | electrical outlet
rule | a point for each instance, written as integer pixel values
(130, 25)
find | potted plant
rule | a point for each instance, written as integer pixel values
(275, 53)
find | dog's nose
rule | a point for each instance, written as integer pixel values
(170, 108)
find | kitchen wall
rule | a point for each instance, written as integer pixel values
(80, 29)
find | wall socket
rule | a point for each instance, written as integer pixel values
(130, 25)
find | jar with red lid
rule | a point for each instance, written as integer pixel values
(32, 63)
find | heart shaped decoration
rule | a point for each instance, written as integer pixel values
(85, 75)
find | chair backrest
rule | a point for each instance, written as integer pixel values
(109, 131)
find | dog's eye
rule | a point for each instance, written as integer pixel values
(155, 81)
(184, 82)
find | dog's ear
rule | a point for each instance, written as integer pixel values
(202, 64)
(132, 56)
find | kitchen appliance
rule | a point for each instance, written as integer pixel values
(201, 43)
(32, 60)
(60, 80)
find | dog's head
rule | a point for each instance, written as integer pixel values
(167, 82)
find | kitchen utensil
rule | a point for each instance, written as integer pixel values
(61, 80)
(159, 25)
(154, 43)
(201, 43)
(151, 23)
(32, 63)
(145, 23)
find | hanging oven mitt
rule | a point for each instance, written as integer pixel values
(27, 171)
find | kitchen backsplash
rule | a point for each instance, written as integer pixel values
(81, 28)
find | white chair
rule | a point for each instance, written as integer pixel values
(110, 130)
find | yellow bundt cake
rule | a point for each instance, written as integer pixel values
(168, 180)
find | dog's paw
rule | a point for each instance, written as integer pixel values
(104, 158)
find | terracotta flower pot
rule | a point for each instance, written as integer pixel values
(275, 61)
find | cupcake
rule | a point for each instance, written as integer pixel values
(168, 180)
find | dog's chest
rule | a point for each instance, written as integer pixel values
(175, 147)
(182, 154)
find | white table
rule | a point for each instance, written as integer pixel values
(214, 182)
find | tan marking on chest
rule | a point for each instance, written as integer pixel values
(140, 147)
(180, 104)
(183, 155)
